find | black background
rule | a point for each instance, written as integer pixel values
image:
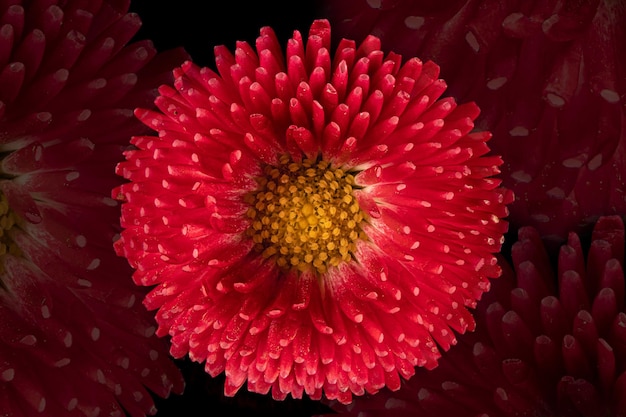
(186, 23)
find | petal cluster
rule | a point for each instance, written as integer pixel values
(549, 78)
(550, 340)
(416, 168)
(74, 337)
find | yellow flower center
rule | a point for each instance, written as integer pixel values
(304, 215)
(7, 220)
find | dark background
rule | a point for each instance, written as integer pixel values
(186, 23)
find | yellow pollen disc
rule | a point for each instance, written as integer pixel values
(7, 220)
(304, 215)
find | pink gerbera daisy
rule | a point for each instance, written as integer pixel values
(312, 223)
(550, 340)
(550, 80)
(74, 337)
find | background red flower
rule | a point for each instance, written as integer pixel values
(74, 337)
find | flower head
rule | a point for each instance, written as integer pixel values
(550, 80)
(74, 338)
(312, 223)
(549, 340)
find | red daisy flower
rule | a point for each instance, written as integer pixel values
(311, 223)
(74, 337)
(550, 80)
(550, 340)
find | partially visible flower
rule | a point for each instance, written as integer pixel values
(313, 224)
(74, 337)
(549, 78)
(550, 340)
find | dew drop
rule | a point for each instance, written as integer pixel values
(610, 96)
(414, 22)
(81, 241)
(471, 40)
(8, 374)
(496, 83)
(95, 334)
